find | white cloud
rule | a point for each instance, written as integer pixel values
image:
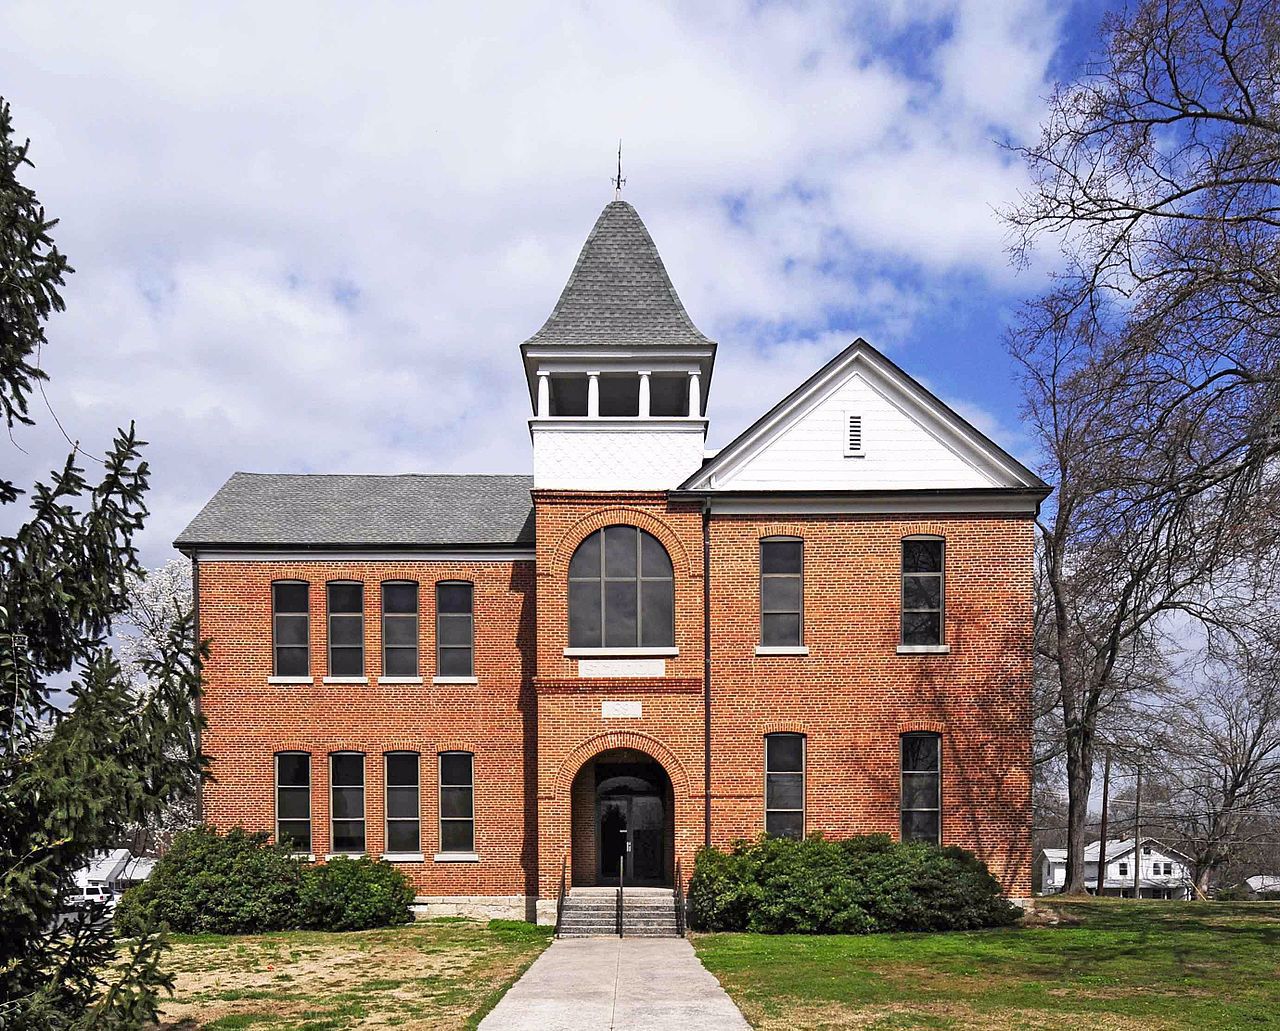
(311, 237)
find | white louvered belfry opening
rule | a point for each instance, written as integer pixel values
(853, 436)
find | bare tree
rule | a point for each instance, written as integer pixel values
(1149, 368)
(1222, 759)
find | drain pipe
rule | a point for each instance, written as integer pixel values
(706, 669)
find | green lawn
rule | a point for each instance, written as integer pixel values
(1108, 964)
(432, 974)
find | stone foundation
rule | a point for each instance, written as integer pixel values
(480, 907)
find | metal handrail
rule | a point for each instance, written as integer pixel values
(560, 898)
(679, 901)
(621, 867)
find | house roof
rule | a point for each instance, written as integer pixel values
(618, 292)
(283, 510)
(1116, 849)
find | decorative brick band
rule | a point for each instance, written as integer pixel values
(611, 740)
(618, 685)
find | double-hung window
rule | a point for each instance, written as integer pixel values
(400, 628)
(922, 787)
(457, 802)
(346, 788)
(784, 785)
(781, 592)
(289, 628)
(346, 629)
(402, 803)
(455, 630)
(922, 590)
(293, 800)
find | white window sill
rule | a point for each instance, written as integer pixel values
(399, 680)
(289, 680)
(456, 857)
(402, 857)
(345, 855)
(782, 649)
(924, 649)
(346, 680)
(308, 856)
(455, 680)
(619, 653)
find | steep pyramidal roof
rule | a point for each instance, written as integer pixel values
(619, 291)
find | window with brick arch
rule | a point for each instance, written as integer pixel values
(784, 785)
(403, 821)
(346, 628)
(457, 802)
(346, 789)
(290, 628)
(621, 591)
(293, 800)
(455, 629)
(782, 592)
(922, 590)
(400, 628)
(922, 787)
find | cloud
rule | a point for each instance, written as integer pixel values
(311, 237)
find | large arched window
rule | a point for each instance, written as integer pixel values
(621, 591)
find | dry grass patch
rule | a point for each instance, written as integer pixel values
(432, 974)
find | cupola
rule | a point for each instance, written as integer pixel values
(618, 374)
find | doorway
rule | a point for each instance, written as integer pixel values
(631, 824)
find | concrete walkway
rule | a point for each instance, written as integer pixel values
(601, 984)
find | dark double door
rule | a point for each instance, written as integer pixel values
(631, 831)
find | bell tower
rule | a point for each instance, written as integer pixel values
(618, 374)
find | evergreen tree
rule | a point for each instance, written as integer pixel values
(73, 781)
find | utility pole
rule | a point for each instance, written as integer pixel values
(1137, 833)
(1102, 844)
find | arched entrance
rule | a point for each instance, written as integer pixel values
(623, 820)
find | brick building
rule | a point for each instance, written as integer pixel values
(642, 647)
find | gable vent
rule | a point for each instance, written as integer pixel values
(853, 436)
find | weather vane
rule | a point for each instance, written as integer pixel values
(618, 181)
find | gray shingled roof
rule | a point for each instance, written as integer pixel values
(619, 291)
(360, 511)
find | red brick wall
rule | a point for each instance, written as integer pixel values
(249, 719)
(852, 695)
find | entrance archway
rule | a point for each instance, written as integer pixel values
(623, 820)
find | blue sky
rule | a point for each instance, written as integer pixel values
(308, 239)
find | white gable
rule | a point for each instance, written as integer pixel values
(909, 439)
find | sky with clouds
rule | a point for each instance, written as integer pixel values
(310, 237)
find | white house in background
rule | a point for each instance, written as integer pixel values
(1263, 882)
(116, 869)
(1163, 873)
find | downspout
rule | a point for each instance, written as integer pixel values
(706, 669)
(195, 618)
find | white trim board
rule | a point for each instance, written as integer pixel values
(904, 504)
(324, 555)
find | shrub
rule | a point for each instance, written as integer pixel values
(237, 884)
(241, 883)
(857, 886)
(354, 895)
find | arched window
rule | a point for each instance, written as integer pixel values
(922, 787)
(621, 591)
